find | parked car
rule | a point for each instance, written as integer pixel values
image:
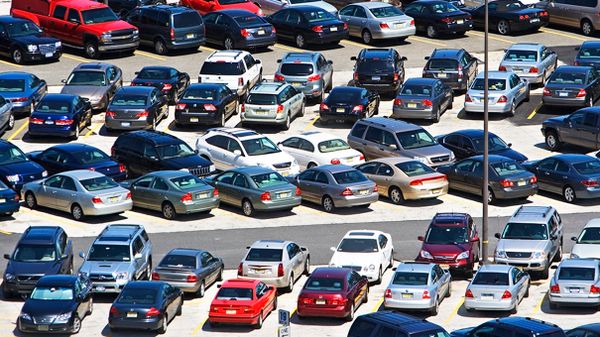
(271, 6)
(23, 41)
(173, 193)
(272, 103)
(7, 116)
(509, 17)
(531, 61)
(348, 104)
(579, 15)
(191, 270)
(60, 115)
(367, 252)
(455, 67)
(309, 72)
(469, 142)
(580, 128)
(576, 282)
(592, 329)
(205, 7)
(22, 90)
(124, 7)
(572, 86)
(239, 70)
(438, 17)
(392, 322)
(41, 250)
(96, 81)
(16, 169)
(506, 91)
(332, 292)
(144, 305)
(497, 287)
(379, 70)
(170, 81)
(316, 148)
(377, 21)
(134, 108)
(588, 54)
(587, 242)
(9, 200)
(242, 302)
(206, 103)
(57, 304)
(422, 98)
(255, 188)
(525, 326)
(239, 29)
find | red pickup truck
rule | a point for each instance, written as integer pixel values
(81, 24)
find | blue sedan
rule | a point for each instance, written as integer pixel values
(22, 89)
(9, 200)
(60, 115)
(15, 168)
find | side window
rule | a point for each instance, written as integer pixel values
(144, 182)
(478, 168)
(502, 332)
(240, 181)
(293, 142)
(35, 81)
(134, 15)
(385, 170)
(348, 11)
(138, 245)
(249, 61)
(293, 18)
(514, 274)
(160, 184)
(148, 17)
(438, 271)
(374, 135)
(358, 130)
(433, 276)
(218, 141)
(69, 184)
(548, 164)
(149, 151)
(562, 166)
(306, 145)
(204, 258)
(52, 156)
(163, 19)
(369, 168)
(465, 166)
(144, 235)
(62, 243)
(591, 119)
(361, 328)
(321, 178)
(290, 251)
(308, 175)
(55, 182)
(577, 118)
(453, 140)
(484, 331)
(233, 145)
(226, 178)
(360, 12)
(59, 12)
(73, 16)
(382, 241)
(210, 18)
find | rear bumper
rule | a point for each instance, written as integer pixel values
(321, 38)
(197, 118)
(412, 113)
(394, 33)
(278, 120)
(408, 304)
(587, 193)
(258, 42)
(425, 193)
(188, 44)
(501, 305)
(493, 108)
(574, 300)
(9, 207)
(355, 200)
(275, 205)
(185, 286)
(340, 117)
(197, 206)
(108, 209)
(233, 319)
(126, 124)
(141, 324)
(526, 26)
(558, 101)
(53, 131)
(510, 193)
(318, 311)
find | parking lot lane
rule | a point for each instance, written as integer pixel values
(5, 232)
(75, 58)
(311, 123)
(11, 64)
(149, 55)
(563, 34)
(532, 114)
(93, 130)
(19, 130)
(427, 41)
(288, 48)
(491, 37)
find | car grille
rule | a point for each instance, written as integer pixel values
(28, 278)
(124, 34)
(43, 319)
(355, 268)
(518, 254)
(282, 165)
(101, 277)
(47, 48)
(200, 171)
(444, 257)
(439, 159)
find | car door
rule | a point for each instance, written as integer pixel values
(384, 249)
(5, 41)
(150, 159)
(141, 192)
(253, 67)
(519, 289)
(373, 141)
(321, 185)
(65, 253)
(443, 280)
(325, 69)
(291, 25)
(370, 171)
(306, 152)
(414, 10)
(295, 259)
(45, 195)
(278, 20)
(38, 87)
(458, 175)
(347, 16)
(138, 257)
(215, 31)
(157, 193)
(67, 194)
(359, 20)
(54, 26)
(224, 184)
(474, 178)
(383, 177)
(308, 186)
(212, 265)
(71, 28)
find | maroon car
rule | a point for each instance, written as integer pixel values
(332, 292)
(452, 242)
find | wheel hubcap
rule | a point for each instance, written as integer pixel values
(168, 212)
(299, 41)
(90, 50)
(502, 28)
(430, 31)
(551, 141)
(11, 121)
(395, 195)
(17, 56)
(367, 37)
(228, 43)
(586, 28)
(76, 212)
(569, 194)
(76, 324)
(327, 204)
(247, 208)
(30, 201)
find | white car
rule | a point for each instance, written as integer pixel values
(237, 69)
(228, 148)
(368, 252)
(316, 148)
(587, 244)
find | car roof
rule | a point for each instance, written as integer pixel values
(574, 157)
(40, 235)
(571, 69)
(226, 56)
(268, 87)
(593, 223)
(118, 234)
(401, 321)
(185, 251)
(145, 284)
(526, 46)
(81, 174)
(58, 98)
(169, 8)
(495, 268)
(15, 74)
(369, 4)
(240, 283)
(414, 267)
(529, 324)
(470, 133)
(450, 219)
(239, 133)
(168, 174)
(446, 53)
(276, 244)
(592, 326)
(57, 281)
(10, 19)
(496, 74)
(72, 147)
(206, 85)
(333, 169)
(363, 234)
(252, 170)
(532, 214)
(420, 81)
(582, 263)
(379, 53)
(590, 44)
(306, 8)
(346, 89)
(91, 66)
(390, 123)
(392, 160)
(156, 137)
(493, 158)
(307, 57)
(330, 272)
(236, 12)
(158, 67)
(316, 136)
(82, 4)
(138, 89)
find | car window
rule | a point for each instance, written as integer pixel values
(308, 175)
(293, 18)
(562, 166)
(348, 11)
(573, 333)
(453, 140)
(249, 61)
(358, 130)
(59, 12)
(379, 136)
(484, 331)
(73, 16)
(290, 251)
(144, 182)
(438, 271)
(160, 184)
(218, 141)
(240, 181)
(226, 178)
(205, 258)
(138, 245)
(465, 166)
(144, 235)
(211, 18)
(591, 119)
(548, 164)
(385, 170)
(361, 328)
(321, 178)
(55, 181)
(360, 12)
(68, 184)
(62, 243)
(293, 142)
(306, 145)
(368, 168)
(382, 241)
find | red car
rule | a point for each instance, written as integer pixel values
(203, 7)
(332, 292)
(242, 302)
(452, 242)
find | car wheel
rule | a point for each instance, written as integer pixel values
(77, 212)
(288, 122)
(514, 309)
(396, 195)
(76, 135)
(379, 276)
(431, 32)
(587, 28)
(201, 290)
(590, 101)
(559, 253)
(553, 305)
(302, 110)
(350, 316)
(503, 27)
(30, 200)
(163, 325)
(545, 273)
(436, 307)
(76, 325)
(436, 117)
(552, 141)
(259, 322)
(328, 204)
(222, 121)
(179, 311)
(491, 197)
(148, 271)
(300, 41)
(449, 291)
(220, 277)
(366, 296)
(11, 121)
(330, 85)
(569, 194)
(90, 307)
(168, 211)
(275, 304)
(247, 207)
(91, 49)
(160, 47)
(17, 56)
(290, 287)
(527, 291)
(367, 37)
(511, 112)
(391, 263)
(307, 266)
(228, 43)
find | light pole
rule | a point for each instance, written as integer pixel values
(484, 226)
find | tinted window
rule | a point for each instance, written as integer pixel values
(521, 55)
(570, 77)
(385, 12)
(174, 151)
(576, 274)
(525, 231)
(187, 19)
(248, 21)
(187, 182)
(489, 278)
(34, 253)
(361, 328)
(349, 177)
(446, 235)
(12, 85)
(98, 183)
(98, 15)
(410, 279)
(588, 167)
(100, 252)
(358, 130)
(417, 90)
(375, 64)
(222, 68)
(179, 261)
(260, 146)
(297, 69)
(73, 16)
(415, 139)
(160, 184)
(494, 84)
(414, 168)
(138, 295)
(317, 15)
(129, 100)
(234, 293)
(324, 284)
(59, 12)
(443, 64)
(506, 168)
(264, 254)
(262, 99)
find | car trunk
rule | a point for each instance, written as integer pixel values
(407, 293)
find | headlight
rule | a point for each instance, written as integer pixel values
(574, 256)
(105, 37)
(212, 168)
(452, 156)
(136, 32)
(24, 315)
(13, 179)
(184, 170)
(426, 255)
(58, 44)
(500, 254)
(260, 12)
(45, 174)
(371, 267)
(64, 317)
(84, 274)
(9, 277)
(32, 48)
(462, 256)
(120, 277)
(537, 255)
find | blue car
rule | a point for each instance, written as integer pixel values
(23, 41)
(467, 143)
(75, 156)
(60, 115)
(22, 89)
(238, 29)
(16, 169)
(9, 200)
(588, 54)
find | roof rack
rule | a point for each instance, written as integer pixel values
(235, 132)
(524, 211)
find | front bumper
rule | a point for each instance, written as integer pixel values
(355, 200)
(111, 287)
(140, 324)
(27, 326)
(121, 47)
(531, 264)
(512, 193)
(30, 57)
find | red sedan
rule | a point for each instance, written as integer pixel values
(207, 6)
(243, 302)
(332, 292)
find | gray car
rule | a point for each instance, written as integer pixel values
(7, 117)
(81, 193)
(417, 286)
(191, 270)
(506, 91)
(308, 72)
(576, 282)
(275, 262)
(95, 81)
(497, 288)
(587, 243)
(272, 103)
(532, 61)
(173, 193)
(136, 107)
(422, 98)
(377, 21)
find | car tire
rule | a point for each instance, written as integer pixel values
(431, 32)
(160, 47)
(568, 194)
(514, 310)
(247, 207)
(30, 200)
(366, 296)
(76, 325)
(307, 266)
(259, 323)
(179, 311)
(513, 107)
(163, 325)
(327, 204)
(228, 43)
(436, 308)
(76, 135)
(436, 116)
(558, 255)
(287, 123)
(367, 37)
(77, 212)
(449, 291)
(545, 273)
(16, 56)
(222, 120)
(11, 121)
(302, 110)
(90, 308)
(201, 290)
(91, 49)
(220, 277)
(587, 28)
(300, 41)
(391, 263)
(552, 141)
(350, 316)
(590, 102)
(396, 196)
(290, 287)
(330, 85)
(503, 27)
(491, 197)
(379, 276)
(311, 165)
(168, 211)
(526, 291)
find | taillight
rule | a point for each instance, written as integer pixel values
(215, 193)
(355, 76)
(396, 77)
(384, 25)
(33, 120)
(128, 196)
(506, 183)
(502, 99)
(594, 289)
(345, 26)
(122, 168)
(192, 279)
(114, 311)
(186, 198)
(111, 114)
(305, 300)
(427, 103)
(575, 63)
(388, 293)
(142, 114)
(460, 71)
(501, 68)
(280, 109)
(278, 78)
(468, 98)
(581, 93)
(266, 196)
(347, 192)
(244, 32)
(18, 99)
(361, 157)
(240, 82)
(397, 101)
(590, 183)
(153, 312)
(323, 106)
(210, 107)
(64, 122)
(555, 289)
(241, 270)
(506, 294)
(375, 189)
(335, 161)
(534, 70)
(172, 34)
(339, 301)
(313, 78)
(523, 17)
(181, 106)
(446, 20)
(298, 191)
(167, 87)
(547, 92)
(426, 295)
(155, 276)
(358, 108)
(317, 29)
(544, 13)
(243, 107)
(280, 271)
(533, 180)
(469, 294)
(96, 200)
(412, 22)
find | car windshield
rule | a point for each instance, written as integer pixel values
(588, 167)
(302, 1)
(344, 96)
(46, 106)
(410, 279)
(86, 78)
(507, 168)
(262, 99)
(11, 155)
(525, 231)
(239, 294)
(154, 74)
(495, 144)
(98, 15)
(589, 235)
(358, 246)
(52, 294)
(222, 68)
(564, 77)
(324, 284)
(188, 182)
(91, 156)
(521, 55)
(187, 19)
(576, 274)
(271, 179)
(259, 146)
(174, 151)
(297, 69)
(98, 183)
(589, 53)
(375, 64)
(248, 20)
(443, 64)
(414, 168)
(349, 177)
(443, 7)
(200, 93)
(11, 85)
(318, 15)
(138, 295)
(333, 145)
(417, 90)
(491, 279)
(34, 253)
(178, 261)
(264, 254)
(129, 100)
(494, 84)
(22, 29)
(100, 252)
(446, 235)
(415, 139)
(385, 12)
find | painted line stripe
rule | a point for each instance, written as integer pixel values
(539, 305)
(19, 130)
(65, 221)
(75, 58)
(92, 130)
(311, 123)
(197, 329)
(377, 305)
(11, 64)
(491, 37)
(537, 108)
(282, 46)
(5, 232)
(208, 49)
(570, 36)
(152, 56)
(356, 44)
(419, 39)
(454, 312)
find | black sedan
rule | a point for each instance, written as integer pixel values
(422, 98)
(170, 81)
(145, 305)
(438, 17)
(572, 86)
(467, 143)
(588, 330)
(510, 16)
(306, 25)
(574, 176)
(57, 304)
(239, 29)
(135, 108)
(507, 178)
(206, 103)
(348, 104)
(23, 41)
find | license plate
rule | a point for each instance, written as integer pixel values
(399, 25)
(132, 315)
(487, 297)
(376, 78)
(100, 288)
(442, 75)
(563, 94)
(436, 191)
(363, 192)
(43, 327)
(349, 160)
(261, 32)
(284, 195)
(49, 122)
(49, 54)
(521, 183)
(320, 302)
(333, 29)
(2, 201)
(261, 112)
(189, 36)
(230, 312)
(201, 195)
(125, 124)
(574, 290)
(296, 84)
(285, 173)
(113, 199)
(411, 105)
(194, 120)
(534, 20)
(444, 266)
(260, 271)
(340, 110)
(407, 295)
(460, 22)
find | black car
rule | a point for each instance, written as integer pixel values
(145, 305)
(143, 152)
(455, 67)
(348, 104)
(438, 17)
(41, 250)
(572, 86)
(23, 41)
(15, 168)
(170, 81)
(379, 70)
(239, 29)
(306, 25)
(469, 142)
(206, 103)
(588, 330)
(511, 326)
(123, 7)
(510, 16)
(168, 28)
(581, 128)
(588, 54)
(135, 108)
(57, 304)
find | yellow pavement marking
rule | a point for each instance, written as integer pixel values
(5, 232)
(152, 56)
(435, 43)
(377, 305)
(282, 46)
(539, 305)
(59, 219)
(11, 64)
(454, 312)
(311, 123)
(308, 210)
(19, 130)
(537, 108)
(491, 37)
(197, 329)
(75, 58)
(207, 49)
(570, 36)
(92, 130)
(356, 44)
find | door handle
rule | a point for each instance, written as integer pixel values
(564, 177)
(547, 173)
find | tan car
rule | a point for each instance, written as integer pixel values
(402, 179)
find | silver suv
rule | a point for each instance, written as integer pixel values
(308, 72)
(121, 253)
(379, 137)
(273, 103)
(531, 240)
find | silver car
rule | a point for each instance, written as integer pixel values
(532, 61)
(275, 262)
(587, 244)
(497, 288)
(506, 92)
(575, 282)
(95, 81)
(7, 117)
(419, 286)
(273, 103)
(377, 21)
(271, 6)
(308, 72)
(79, 192)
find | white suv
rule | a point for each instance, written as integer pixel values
(235, 147)
(238, 69)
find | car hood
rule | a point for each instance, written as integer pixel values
(192, 161)
(22, 169)
(44, 308)
(449, 249)
(556, 120)
(104, 267)
(354, 259)
(321, 4)
(27, 268)
(510, 153)
(521, 245)
(35, 39)
(586, 251)
(87, 91)
(427, 151)
(273, 158)
(110, 26)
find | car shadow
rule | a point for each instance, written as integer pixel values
(579, 202)
(222, 328)
(93, 220)
(180, 217)
(498, 203)
(462, 312)
(462, 114)
(313, 47)
(381, 43)
(108, 332)
(317, 321)
(261, 215)
(339, 211)
(27, 138)
(565, 148)
(105, 298)
(413, 203)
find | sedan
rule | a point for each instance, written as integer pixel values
(437, 17)
(7, 116)
(239, 29)
(332, 292)
(469, 142)
(377, 21)
(95, 81)
(348, 104)
(145, 305)
(135, 108)
(170, 81)
(576, 282)
(60, 115)
(510, 16)
(401, 179)
(204, 7)
(9, 200)
(422, 98)
(23, 90)
(306, 25)
(506, 91)
(574, 176)
(572, 86)
(16, 169)
(81, 193)
(588, 330)
(587, 243)
(271, 6)
(173, 193)
(206, 103)
(24, 41)
(507, 178)
(588, 54)
(532, 61)
(316, 148)
(191, 270)
(497, 287)
(417, 286)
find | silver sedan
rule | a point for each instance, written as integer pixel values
(377, 20)
(506, 92)
(532, 61)
(497, 288)
(575, 282)
(79, 192)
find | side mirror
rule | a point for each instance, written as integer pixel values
(75, 21)
(330, 62)
(403, 58)
(82, 255)
(353, 58)
(421, 238)
(63, 81)
(258, 61)
(303, 249)
(497, 235)
(475, 239)
(137, 73)
(509, 144)
(573, 238)
(237, 152)
(393, 146)
(219, 286)
(137, 256)
(279, 61)
(64, 256)
(427, 58)
(7, 256)
(577, 48)
(365, 278)
(332, 249)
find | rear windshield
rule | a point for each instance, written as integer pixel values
(187, 19)
(179, 261)
(386, 12)
(589, 53)
(443, 64)
(53, 107)
(222, 68)
(297, 69)
(492, 279)
(521, 55)
(129, 100)
(262, 99)
(324, 284)
(231, 2)
(349, 177)
(154, 74)
(241, 294)
(318, 15)
(249, 21)
(415, 139)
(267, 180)
(493, 84)
(358, 246)
(564, 77)
(138, 295)
(333, 145)
(417, 90)
(576, 274)
(344, 96)
(507, 168)
(200, 93)
(9, 85)
(410, 279)
(443, 7)
(264, 254)
(376, 65)
(98, 184)
(91, 156)
(589, 236)
(588, 167)
(187, 182)
(414, 168)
